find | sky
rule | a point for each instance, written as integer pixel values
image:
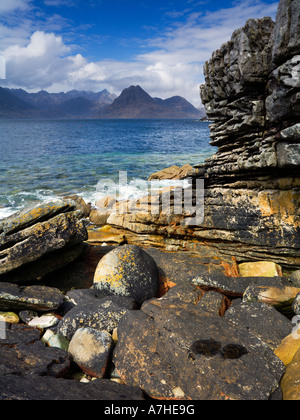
(161, 45)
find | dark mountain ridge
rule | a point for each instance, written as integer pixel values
(133, 103)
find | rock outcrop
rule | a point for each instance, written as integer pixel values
(40, 240)
(252, 93)
(251, 207)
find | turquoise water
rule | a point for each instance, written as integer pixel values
(42, 159)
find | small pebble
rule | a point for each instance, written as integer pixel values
(45, 321)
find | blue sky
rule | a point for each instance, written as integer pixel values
(59, 45)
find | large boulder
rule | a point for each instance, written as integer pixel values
(42, 238)
(127, 271)
(183, 349)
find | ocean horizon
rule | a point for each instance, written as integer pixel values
(43, 160)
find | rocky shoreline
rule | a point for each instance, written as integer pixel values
(127, 331)
(103, 304)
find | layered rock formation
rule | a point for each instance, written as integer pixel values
(252, 93)
(40, 240)
(252, 184)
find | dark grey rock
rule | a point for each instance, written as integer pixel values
(27, 315)
(181, 352)
(36, 388)
(288, 155)
(33, 359)
(84, 296)
(285, 37)
(260, 319)
(295, 278)
(103, 314)
(36, 298)
(236, 286)
(291, 133)
(19, 334)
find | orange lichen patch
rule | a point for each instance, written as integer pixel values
(266, 204)
(280, 204)
(225, 397)
(231, 270)
(165, 284)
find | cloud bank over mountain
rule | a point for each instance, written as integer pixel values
(42, 50)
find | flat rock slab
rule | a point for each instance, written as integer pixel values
(32, 233)
(235, 286)
(19, 334)
(36, 298)
(33, 359)
(50, 389)
(182, 351)
(182, 265)
(262, 320)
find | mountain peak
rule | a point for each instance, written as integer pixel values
(134, 95)
(134, 102)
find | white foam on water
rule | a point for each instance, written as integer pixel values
(133, 190)
(25, 199)
(6, 212)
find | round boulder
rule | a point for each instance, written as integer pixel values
(90, 349)
(127, 271)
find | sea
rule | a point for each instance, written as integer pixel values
(42, 160)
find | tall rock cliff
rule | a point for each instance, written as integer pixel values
(252, 94)
(252, 184)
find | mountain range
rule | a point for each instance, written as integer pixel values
(133, 103)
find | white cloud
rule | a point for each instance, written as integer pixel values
(39, 64)
(2, 67)
(171, 66)
(10, 5)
